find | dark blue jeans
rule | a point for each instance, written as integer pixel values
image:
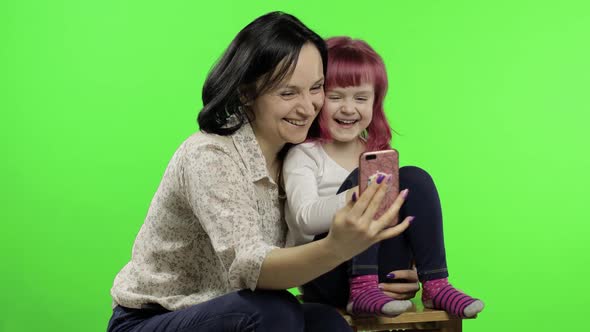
(238, 311)
(422, 243)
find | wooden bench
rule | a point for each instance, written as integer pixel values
(416, 318)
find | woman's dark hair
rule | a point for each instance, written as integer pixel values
(256, 61)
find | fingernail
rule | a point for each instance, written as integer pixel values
(354, 196)
(380, 178)
(391, 276)
(405, 193)
(389, 178)
(380, 286)
(411, 219)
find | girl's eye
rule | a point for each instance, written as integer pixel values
(332, 97)
(362, 98)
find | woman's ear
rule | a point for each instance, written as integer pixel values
(245, 96)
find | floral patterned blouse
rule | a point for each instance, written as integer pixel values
(214, 218)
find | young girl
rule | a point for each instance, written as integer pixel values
(319, 177)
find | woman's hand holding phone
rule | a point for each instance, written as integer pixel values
(354, 228)
(352, 191)
(374, 163)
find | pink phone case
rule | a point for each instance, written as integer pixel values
(384, 161)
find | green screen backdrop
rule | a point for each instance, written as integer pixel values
(491, 97)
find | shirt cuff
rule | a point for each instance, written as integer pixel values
(245, 270)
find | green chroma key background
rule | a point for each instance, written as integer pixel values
(491, 97)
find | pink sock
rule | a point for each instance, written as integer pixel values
(367, 299)
(439, 294)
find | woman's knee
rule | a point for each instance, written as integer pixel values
(321, 317)
(274, 310)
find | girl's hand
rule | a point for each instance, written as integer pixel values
(401, 290)
(354, 230)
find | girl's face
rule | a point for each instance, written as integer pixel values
(284, 114)
(348, 111)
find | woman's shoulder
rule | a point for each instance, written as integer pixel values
(202, 141)
(202, 147)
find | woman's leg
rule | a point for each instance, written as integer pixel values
(238, 311)
(321, 317)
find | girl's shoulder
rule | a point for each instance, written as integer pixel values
(307, 148)
(304, 153)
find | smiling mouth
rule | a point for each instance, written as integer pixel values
(346, 122)
(298, 123)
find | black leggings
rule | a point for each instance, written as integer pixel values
(422, 243)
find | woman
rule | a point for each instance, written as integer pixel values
(209, 256)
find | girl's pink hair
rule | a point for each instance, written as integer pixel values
(352, 62)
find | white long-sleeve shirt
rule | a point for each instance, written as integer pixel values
(312, 179)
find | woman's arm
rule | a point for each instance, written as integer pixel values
(223, 200)
(291, 267)
(352, 232)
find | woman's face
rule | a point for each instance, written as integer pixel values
(284, 114)
(348, 111)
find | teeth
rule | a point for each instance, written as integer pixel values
(297, 123)
(347, 121)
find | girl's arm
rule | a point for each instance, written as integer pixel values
(305, 210)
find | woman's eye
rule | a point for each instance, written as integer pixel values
(287, 94)
(316, 89)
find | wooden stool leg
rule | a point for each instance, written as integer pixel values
(455, 325)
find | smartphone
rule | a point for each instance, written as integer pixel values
(380, 162)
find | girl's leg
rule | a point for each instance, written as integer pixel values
(425, 237)
(365, 295)
(330, 288)
(333, 288)
(238, 311)
(427, 243)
